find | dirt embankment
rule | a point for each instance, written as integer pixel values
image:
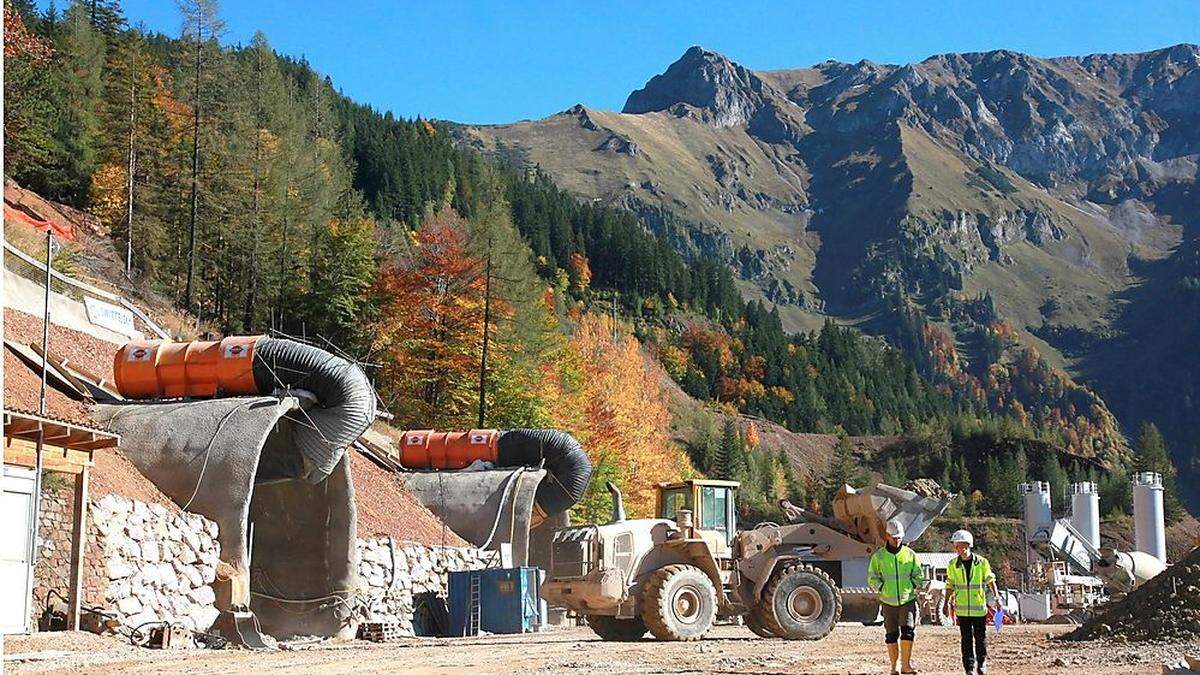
(90, 254)
(1166, 607)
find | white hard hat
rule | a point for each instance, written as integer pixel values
(963, 536)
(895, 528)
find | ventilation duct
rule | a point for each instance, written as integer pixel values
(567, 466)
(339, 400)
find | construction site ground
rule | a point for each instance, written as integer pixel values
(851, 648)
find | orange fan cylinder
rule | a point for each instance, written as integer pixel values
(427, 449)
(161, 369)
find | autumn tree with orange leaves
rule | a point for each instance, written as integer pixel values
(429, 334)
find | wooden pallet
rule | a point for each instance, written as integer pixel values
(380, 631)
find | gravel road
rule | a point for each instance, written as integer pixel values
(1025, 649)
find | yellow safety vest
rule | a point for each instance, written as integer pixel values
(970, 595)
(895, 576)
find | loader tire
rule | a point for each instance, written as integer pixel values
(801, 602)
(612, 629)
(754, 621)
(679, 603)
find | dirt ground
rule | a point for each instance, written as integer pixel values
(1024, 649)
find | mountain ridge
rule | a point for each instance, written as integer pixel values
(1047, 184)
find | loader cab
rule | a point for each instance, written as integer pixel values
(712, 502)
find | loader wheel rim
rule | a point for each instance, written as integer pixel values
(805, 604)
(686, 605)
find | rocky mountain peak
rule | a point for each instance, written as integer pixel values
(729, 93)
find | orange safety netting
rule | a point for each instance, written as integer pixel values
(22, 214)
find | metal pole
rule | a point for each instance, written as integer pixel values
(37, 469)
(46, 322)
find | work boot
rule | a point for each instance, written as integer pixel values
(906, 657)
(893, 654)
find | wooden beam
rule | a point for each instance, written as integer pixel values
(17, 426)
(34, 360)
(98, 444)
(78, 547)
(25, 433)
(90, 379)
(58, 432)
(56, 435)
(60, 365)
(69, 438)
(21, 452)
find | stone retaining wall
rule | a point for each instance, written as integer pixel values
(147, 563)
(56, 521)
(388, 589)
(158, 563)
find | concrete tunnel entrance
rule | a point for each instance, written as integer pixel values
(497, 488)
(254, 437)
(489, 509)
(290, 543)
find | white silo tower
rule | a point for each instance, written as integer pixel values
(1085, 511)
(1149, 526)
(1037, 506)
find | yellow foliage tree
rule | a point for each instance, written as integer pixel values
(752, 437)
(108, 194)
(625, 421)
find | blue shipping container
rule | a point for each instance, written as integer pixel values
(509, 600)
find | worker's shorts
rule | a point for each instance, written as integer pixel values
(894, 617)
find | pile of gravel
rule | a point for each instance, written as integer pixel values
(1165, 608)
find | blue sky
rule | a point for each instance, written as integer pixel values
(485, 62)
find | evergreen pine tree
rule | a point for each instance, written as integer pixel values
(1115, 494)
(845, 469)
(727, 459)
(202, 26)
(29, 104)
(894, 473)
(1053, 473)
(80, 59)
(1151, 454)
(796, 491)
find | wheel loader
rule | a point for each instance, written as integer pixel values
(676, 574)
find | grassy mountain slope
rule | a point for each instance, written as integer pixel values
(1060, 188)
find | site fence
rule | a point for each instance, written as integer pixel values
(97, 299)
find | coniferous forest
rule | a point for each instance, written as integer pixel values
(243, 186)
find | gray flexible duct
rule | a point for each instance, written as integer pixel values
(568, 468)
(345, 399)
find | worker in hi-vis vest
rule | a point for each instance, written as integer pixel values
(971, 589)
(896, 574)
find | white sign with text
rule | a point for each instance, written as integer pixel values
(111, 317)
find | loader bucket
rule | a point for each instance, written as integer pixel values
(866, 512)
